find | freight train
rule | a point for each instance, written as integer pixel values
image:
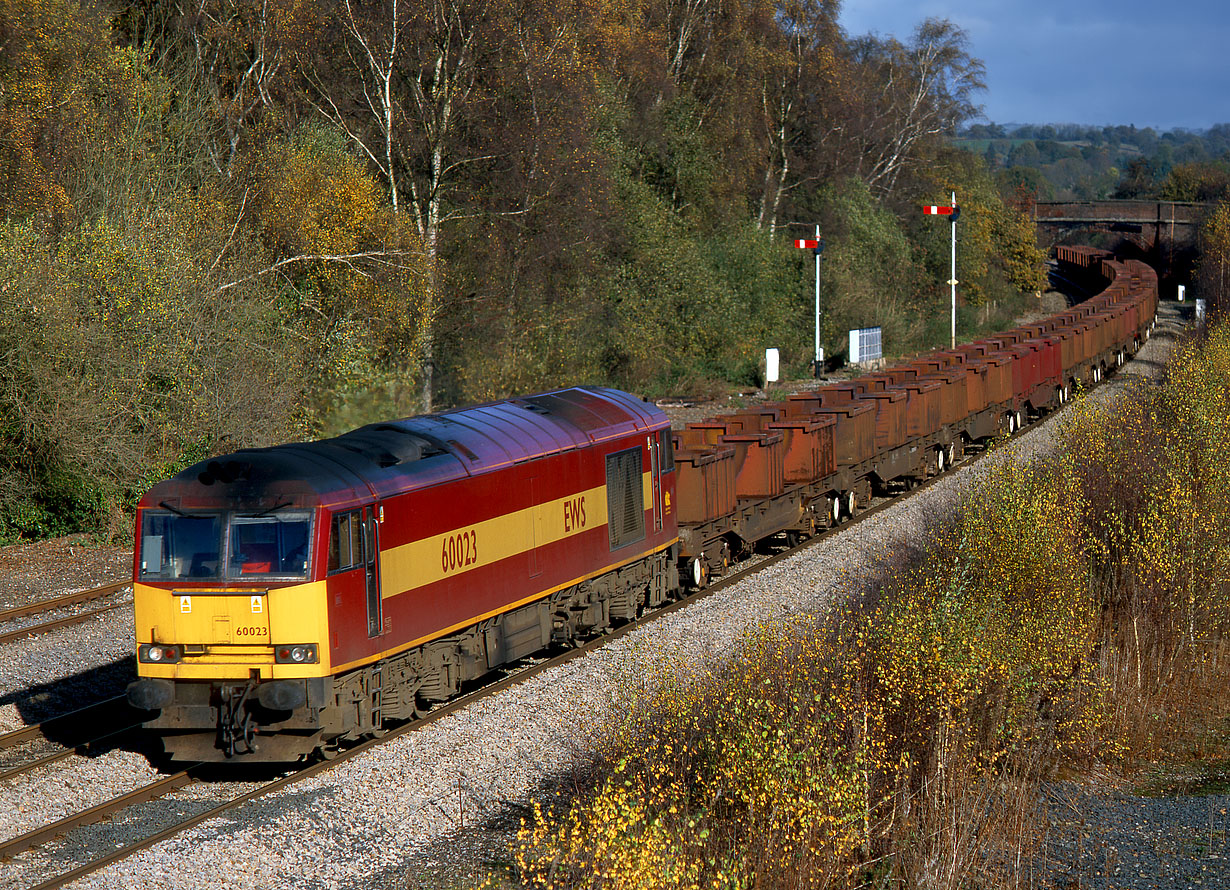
(291, 599)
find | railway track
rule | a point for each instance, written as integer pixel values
(54, 604)
(169, 785)
(88, 730)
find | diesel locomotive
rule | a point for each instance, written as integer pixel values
(288, 599)
(291, 599)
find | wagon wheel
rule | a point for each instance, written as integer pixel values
(834, 511)
(698, 572)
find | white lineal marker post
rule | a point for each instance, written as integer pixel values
(952, 213)
(772, 367)
(816, 245)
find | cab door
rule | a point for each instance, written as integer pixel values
(371, 562)
(655, 473)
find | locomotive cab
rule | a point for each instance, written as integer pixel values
(229, 625)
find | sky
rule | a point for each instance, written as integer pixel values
(1082, 61)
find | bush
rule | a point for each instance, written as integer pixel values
(1072, 611)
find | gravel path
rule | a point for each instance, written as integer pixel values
(1099, 838)
(434, 805)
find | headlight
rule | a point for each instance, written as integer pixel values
(298, 654)
(158, 653)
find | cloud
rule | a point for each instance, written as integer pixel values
(1094, 62)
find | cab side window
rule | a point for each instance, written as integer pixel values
(666, 447)
(345, 542)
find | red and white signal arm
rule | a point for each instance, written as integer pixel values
(938, 209)
(806, 242)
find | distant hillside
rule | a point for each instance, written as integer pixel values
(1073, 162)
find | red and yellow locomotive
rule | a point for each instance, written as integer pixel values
(290, 598)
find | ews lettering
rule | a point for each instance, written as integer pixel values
(574, 513)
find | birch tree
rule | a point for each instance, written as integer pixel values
(400, 91)
(899, 96)
(242, 55)
(799, 71)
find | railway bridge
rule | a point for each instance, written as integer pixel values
(1163, 233)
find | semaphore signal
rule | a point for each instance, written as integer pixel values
(816, 246)
(952, 211)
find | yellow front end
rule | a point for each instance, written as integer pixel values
(233, 633)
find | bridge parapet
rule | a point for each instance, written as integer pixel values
(1164, 233)
(1070, 213)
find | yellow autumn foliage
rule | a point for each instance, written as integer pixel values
(1065, 601)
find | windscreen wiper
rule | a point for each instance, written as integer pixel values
(273, 509)
(175, 510)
